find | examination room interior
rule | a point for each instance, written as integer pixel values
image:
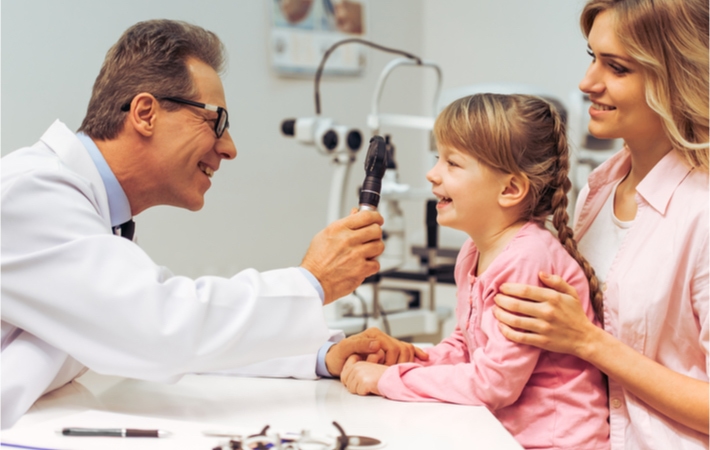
(265, 206)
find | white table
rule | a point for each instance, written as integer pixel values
(199, 402)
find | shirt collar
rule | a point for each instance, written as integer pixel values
(118, 205)
(658, 185)
(611, 170)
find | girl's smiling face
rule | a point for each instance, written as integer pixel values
(467, 190)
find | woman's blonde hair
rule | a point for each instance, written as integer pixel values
(669, 40)
(522, 135)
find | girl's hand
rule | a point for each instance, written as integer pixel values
(361, 377)
(552, 319)
(374, 346)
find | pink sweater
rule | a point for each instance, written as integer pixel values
(546, 400)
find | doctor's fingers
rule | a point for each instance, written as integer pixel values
(349, 232)
(362, 267)
(421, 353)
(361, 219)
(395, 353)
(400, 352)
(394, 350)
(359, 344)
(372, 249)
(341, 240)
(370, 233)
(377, 357)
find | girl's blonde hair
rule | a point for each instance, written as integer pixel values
(669, 40)
(522, 135)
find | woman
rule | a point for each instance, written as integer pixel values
(642, 222)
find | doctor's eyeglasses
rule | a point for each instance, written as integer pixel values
(220, 125)
(304, 440)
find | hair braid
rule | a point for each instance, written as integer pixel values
(560, 218)
(521, 134)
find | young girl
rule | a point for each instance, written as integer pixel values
(502, 171)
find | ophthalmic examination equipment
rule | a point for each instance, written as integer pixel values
(402, 312)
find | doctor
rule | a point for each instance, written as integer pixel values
(77, 294)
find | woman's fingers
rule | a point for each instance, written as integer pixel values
(557, 287)
(558, 284)
(515, 305)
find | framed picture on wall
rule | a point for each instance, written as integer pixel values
(302, 31)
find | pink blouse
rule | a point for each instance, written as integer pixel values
(546, 400)
(659, 280)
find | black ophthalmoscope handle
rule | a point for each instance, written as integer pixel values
(375, 166)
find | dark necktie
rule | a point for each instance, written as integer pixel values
(127, 229)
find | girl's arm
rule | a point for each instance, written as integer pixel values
(493, 374)
(484, 381)
(362, 376)
(553, 320)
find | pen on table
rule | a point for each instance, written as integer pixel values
(114, 432)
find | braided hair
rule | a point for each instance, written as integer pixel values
(523, 135)
(558, 202)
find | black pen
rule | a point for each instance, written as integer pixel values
(114, 432)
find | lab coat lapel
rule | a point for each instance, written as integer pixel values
(69, 148)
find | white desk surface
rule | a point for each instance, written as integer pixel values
(200, 402)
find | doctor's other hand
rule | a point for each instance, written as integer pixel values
(552, 319)
(361, 377)
(374, 346)
(343, 254)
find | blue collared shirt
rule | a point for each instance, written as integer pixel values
(321, 369)
(118, 206)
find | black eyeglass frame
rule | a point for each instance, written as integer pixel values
(221, 124)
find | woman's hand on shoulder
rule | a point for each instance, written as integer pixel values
(552, 319)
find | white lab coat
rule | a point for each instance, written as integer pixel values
(75, 296)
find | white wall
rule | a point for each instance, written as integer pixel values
(265, 206)
(518, 41)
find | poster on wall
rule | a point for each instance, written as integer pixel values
(303, 30)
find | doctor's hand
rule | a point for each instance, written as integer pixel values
(374, 346)
(361, 377)
(343, 254)
(552, 319)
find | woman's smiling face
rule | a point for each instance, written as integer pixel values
(616, 87)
